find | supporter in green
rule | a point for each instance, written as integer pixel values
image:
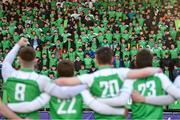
(91, 35)
(133, 51)
(83, 70)
(152, 35)
(80, 53)
(72, 55)
(126, 35)
(44, 70)
(84, 37)
(102, 28)
(94, 44)
(16, 63)
(126, 61)
(141, 20)
(53, 69)
(142, 42)
(137, 28)
(125, 52)
(156, 61)
(46, 28)
(151, 42)
(48, 36)
(118, 13)
(88, 61)
(159, 35)
(173, 51)
(42, 37)
(11, 28)
(117, 50)
(117, 35)
(95, 29)
(105, 43)
(164, 51)
(45, 61)
(38, 52)
(65, 22)
(111, 13)
(52, 60)
(123, 44)
(37, 30)
(6, 43)
(109, 36)
(162, 27)
(64, 54)
(100, 37)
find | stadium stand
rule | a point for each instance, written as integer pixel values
(74, 30)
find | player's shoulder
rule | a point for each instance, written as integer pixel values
(43, 77)
(178, 78)
(161, 76)
(109, 71)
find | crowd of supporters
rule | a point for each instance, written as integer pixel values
(74, 30)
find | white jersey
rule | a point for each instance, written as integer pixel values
(89, 79)
(177, 81)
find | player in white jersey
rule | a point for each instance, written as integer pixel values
(24, 84)
(67, 70)
(107, 82)
(172, 90)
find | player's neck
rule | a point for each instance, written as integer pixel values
(29, 67)
(104, 66)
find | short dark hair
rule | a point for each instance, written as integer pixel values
(104, 55)
(65, 68)
(27, 54)
(144, 58)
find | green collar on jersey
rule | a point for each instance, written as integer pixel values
(105, 66)
(26, 70)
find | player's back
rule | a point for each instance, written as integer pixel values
(22, 86)
(66, 108)
(149, 86)
(106, 84)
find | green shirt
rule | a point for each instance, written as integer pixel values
(88, 62)
(80, 54)
(25, 89)
(156, 63)
(52, 61)
(66, 108)
(148, 86)
(109, 37)
(72, 56)
(174, 53)
(105, 83)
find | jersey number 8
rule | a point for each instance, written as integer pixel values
(20, 92)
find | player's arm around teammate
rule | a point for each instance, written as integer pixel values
(172, 91)
(43, 81)
(87, 97)
(132, 74)
(5, 111)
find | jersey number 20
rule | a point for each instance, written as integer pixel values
(110, 88)
(20, 92)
